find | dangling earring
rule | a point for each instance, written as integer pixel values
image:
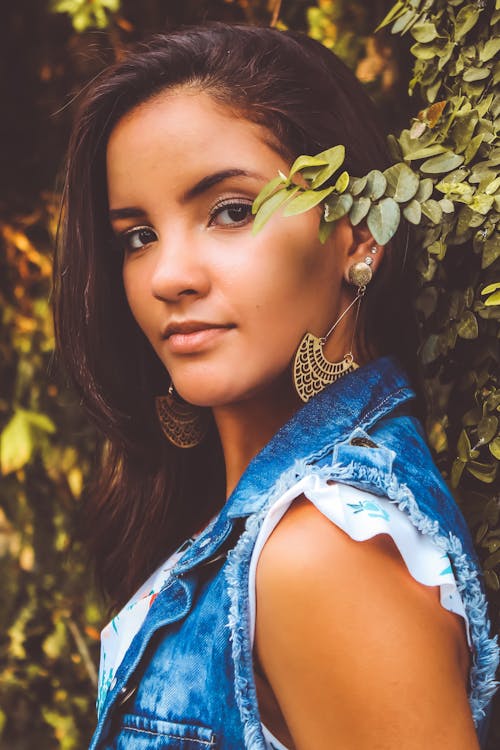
(312, 372)
(183, 425)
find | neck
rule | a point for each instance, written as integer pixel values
(245, 427)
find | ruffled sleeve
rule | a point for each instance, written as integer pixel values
(362, 515)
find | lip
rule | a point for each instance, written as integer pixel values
(191, 336)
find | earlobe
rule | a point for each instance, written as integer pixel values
(364, 256)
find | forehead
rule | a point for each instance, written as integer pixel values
(185, 128)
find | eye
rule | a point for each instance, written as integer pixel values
(136, 238)
(231, 213)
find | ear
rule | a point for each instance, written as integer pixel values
(363, 248)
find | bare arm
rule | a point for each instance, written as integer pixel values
(359, 655)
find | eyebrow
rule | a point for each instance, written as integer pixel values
(201, 187)
(213, 179)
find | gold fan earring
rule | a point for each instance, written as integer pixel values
(312, 371)
(183, 424)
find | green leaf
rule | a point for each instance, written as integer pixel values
(463, 129)
(334, 158)
(444, 57)
(492, 580)
(306, 200)
(472, 147)
(476, 74)
(494, 299)
(434, 89)
(494, 447)
(359, 209)
(467, 327)
(304, 161)
(425, 52)
(491, 251)
(446, 205)
(481, 203)
(413, 212)
(449, 187)
(438, 248)
(424, 32)
(426, 152)
(40, 421)
(491, 288)
(383, 220)
(402, 182)
(404, 22)
(397, 9)
(466, 20)
(442, 163)
(342, 183)
(271, 205)
(309, 173)
(337, 206)
(464, 446)
(376, 184)
(266, 192)
(493, 186)
(490, 49)
(324, 231)
(432, 210)
(357, 185)
(394, 147)
(425, 190)
(487, 428)
(16, 443)
(482, 471)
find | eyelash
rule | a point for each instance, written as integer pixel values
(228, 204)
(125, 237)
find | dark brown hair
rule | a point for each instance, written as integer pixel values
(148, 495)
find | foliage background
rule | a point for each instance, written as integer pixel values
(50, 615)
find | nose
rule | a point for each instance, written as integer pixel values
(179, 269)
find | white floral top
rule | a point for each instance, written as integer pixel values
(360, 514)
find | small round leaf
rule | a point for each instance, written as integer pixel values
(383, 220)
(402, 182)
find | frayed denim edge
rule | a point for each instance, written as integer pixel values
(237, 568)
(483, 684)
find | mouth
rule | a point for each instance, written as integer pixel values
(192, 336)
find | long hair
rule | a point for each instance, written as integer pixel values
(149, 495)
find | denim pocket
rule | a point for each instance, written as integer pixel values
(141, 733)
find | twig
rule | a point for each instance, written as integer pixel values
(276, 13)
(83, 651)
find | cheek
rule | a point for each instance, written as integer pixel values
(294, 273)
(135, 286)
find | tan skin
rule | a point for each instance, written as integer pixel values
(396, 674)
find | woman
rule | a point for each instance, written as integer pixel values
(327, 595)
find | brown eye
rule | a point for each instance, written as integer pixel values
(234, 213)
(137, 238)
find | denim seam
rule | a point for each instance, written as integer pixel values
(364, 423)
(170, 736)
(364, 419)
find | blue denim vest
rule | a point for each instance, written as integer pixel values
(186, 682)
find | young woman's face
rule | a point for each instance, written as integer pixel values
(223, 309)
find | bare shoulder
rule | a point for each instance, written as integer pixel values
(348, 616)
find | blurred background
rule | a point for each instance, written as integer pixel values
(50, 614)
